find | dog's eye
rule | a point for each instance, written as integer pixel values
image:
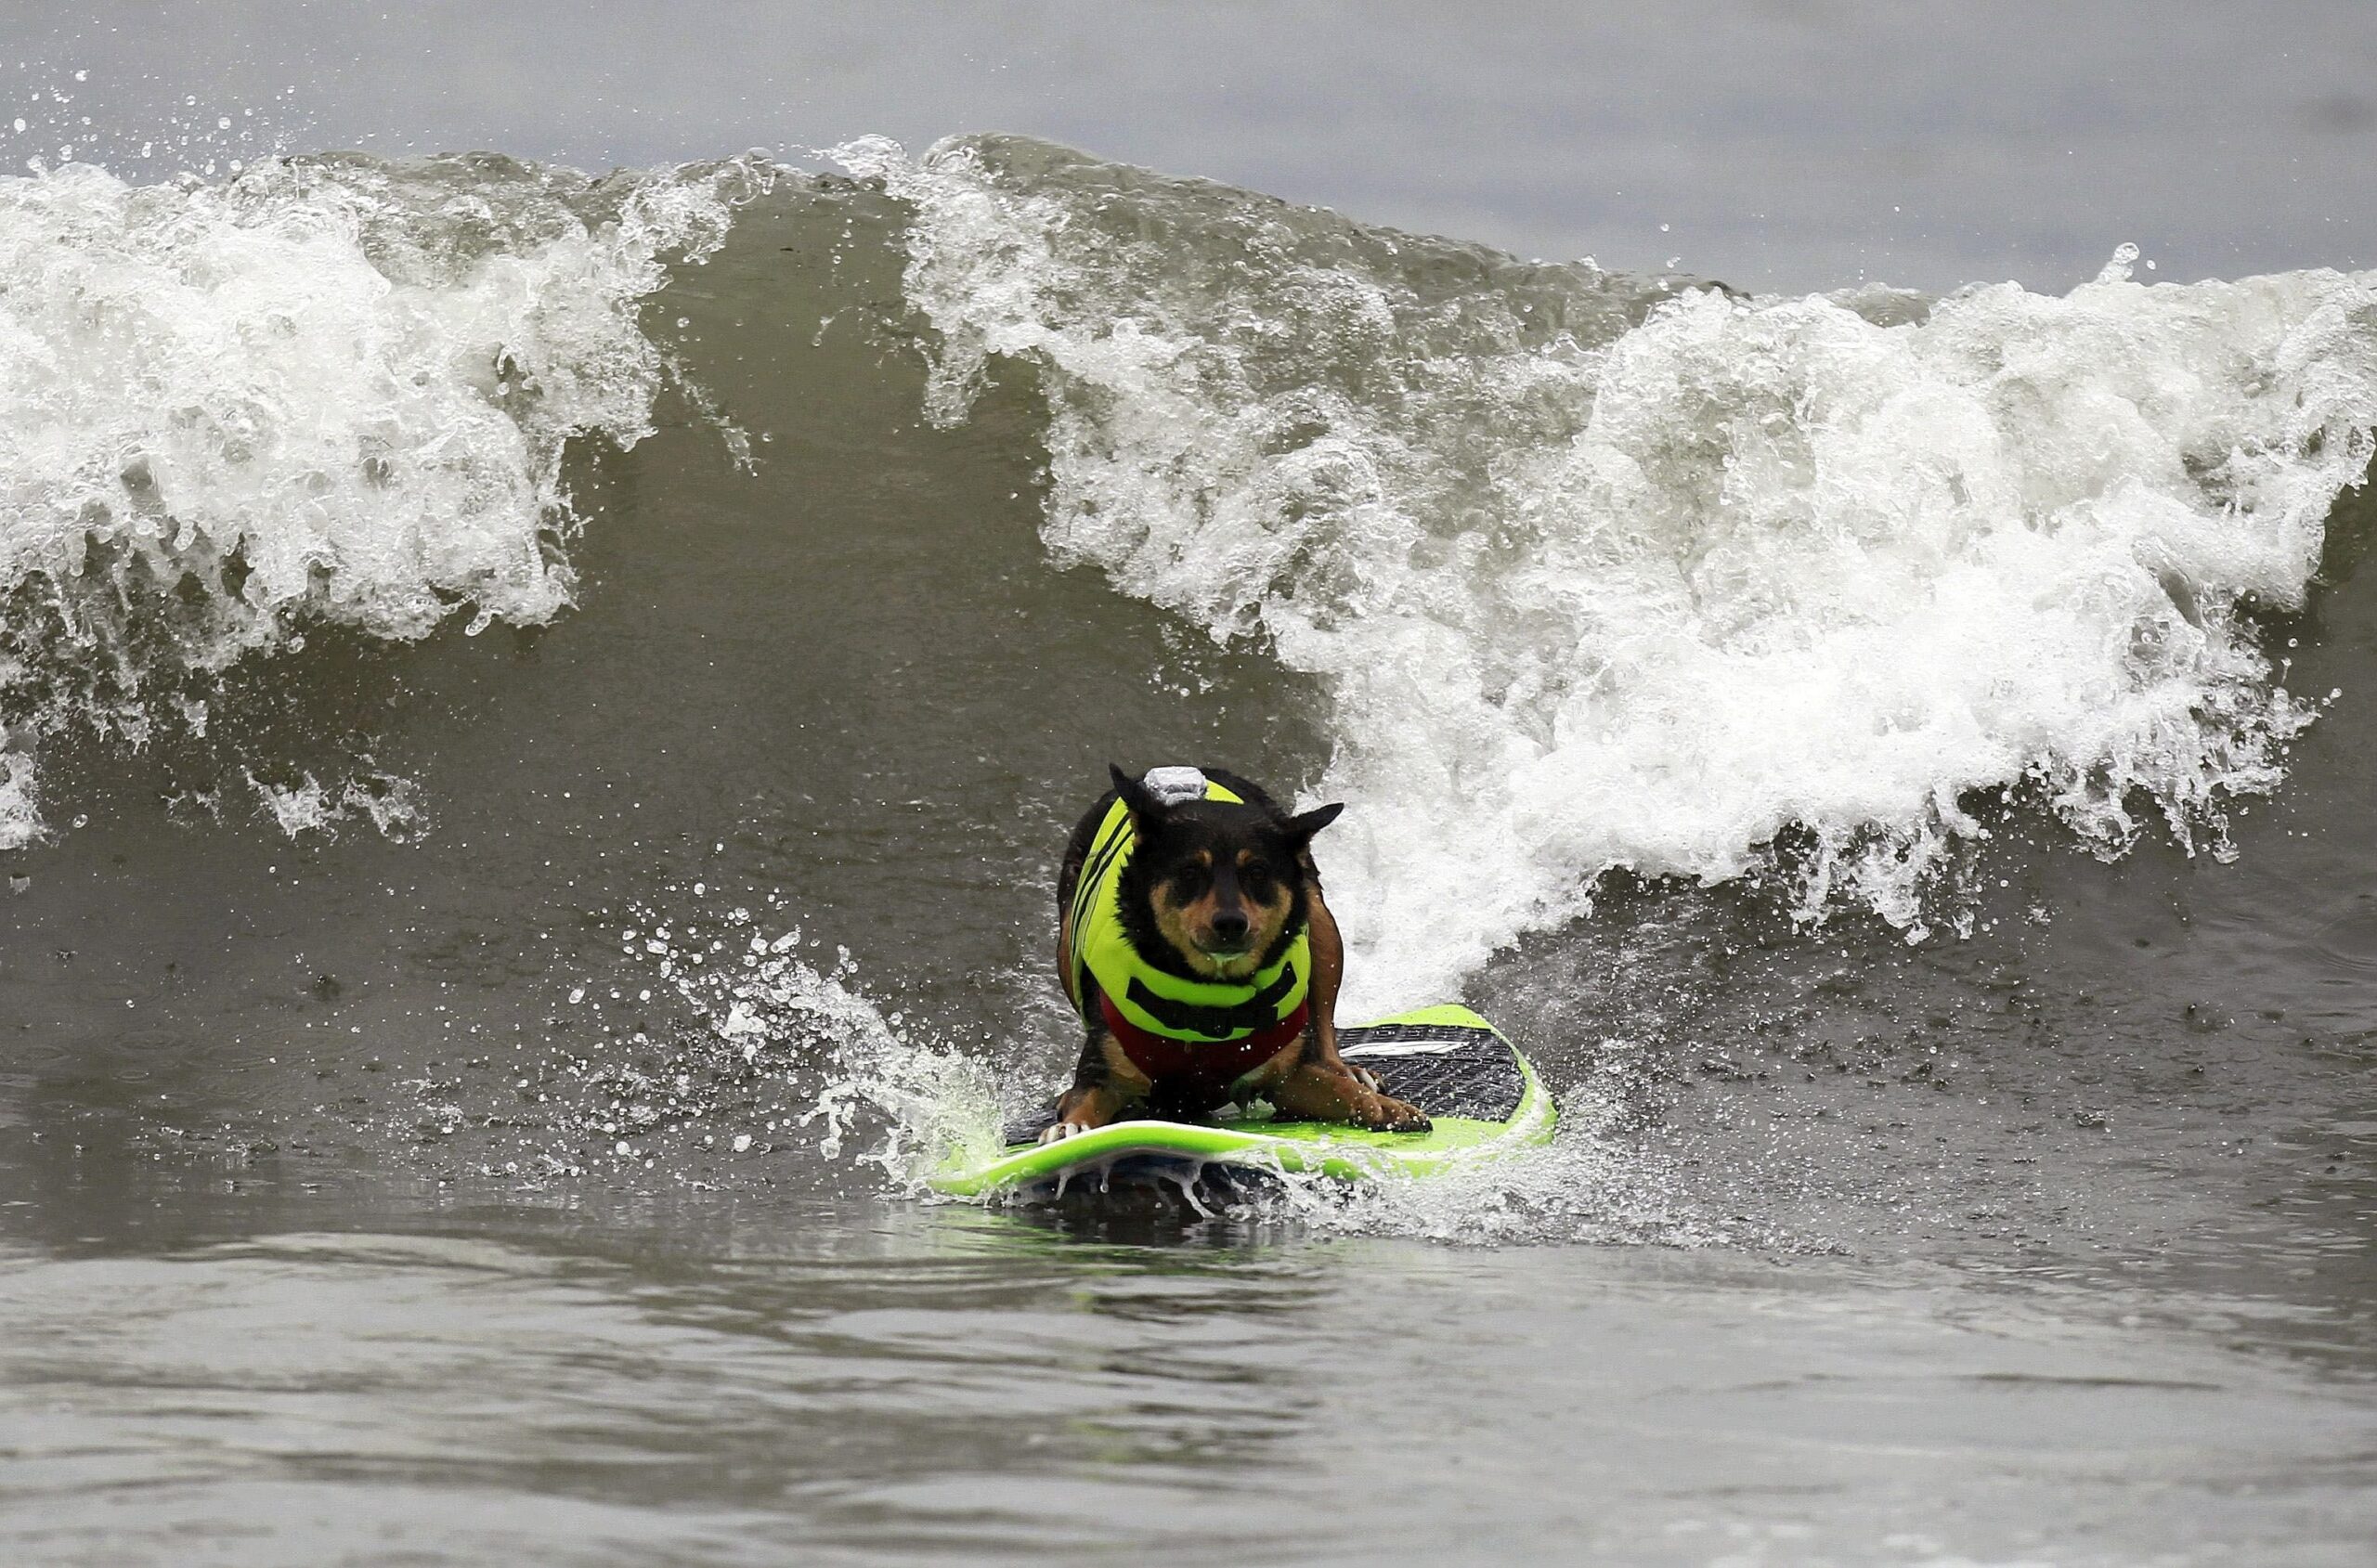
(1190, 880)
(1255, 876)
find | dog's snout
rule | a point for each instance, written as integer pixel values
(1230, 926)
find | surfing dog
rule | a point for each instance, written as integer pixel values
(1194, 944)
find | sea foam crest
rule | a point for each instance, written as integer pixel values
(1599, 574)
(333, 390)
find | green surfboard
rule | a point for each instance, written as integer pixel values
(1481, 1094)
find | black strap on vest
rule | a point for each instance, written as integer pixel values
(1181, 1019)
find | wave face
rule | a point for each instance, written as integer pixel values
(1602, 572)
(1550, 572)
(331, 392)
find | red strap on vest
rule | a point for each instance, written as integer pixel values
(1216, 1064)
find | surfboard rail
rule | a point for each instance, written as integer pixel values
(1328, 1148)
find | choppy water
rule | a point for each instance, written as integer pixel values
(539, 712)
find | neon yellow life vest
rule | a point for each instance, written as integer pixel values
(1215, 1012)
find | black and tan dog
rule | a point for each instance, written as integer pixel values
(1195, 946)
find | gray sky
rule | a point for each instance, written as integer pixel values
(1782, 144)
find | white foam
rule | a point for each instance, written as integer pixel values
(390, 804)
(336, 391)
(19, 810)
(910, 1104)
(1589, 596)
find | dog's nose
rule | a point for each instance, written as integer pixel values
(1229, 927)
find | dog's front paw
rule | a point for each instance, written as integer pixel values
(1060, 1131)
(1397, 1116)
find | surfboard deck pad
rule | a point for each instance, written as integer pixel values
(1481, 1093)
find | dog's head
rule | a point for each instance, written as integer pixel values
(1221, 885)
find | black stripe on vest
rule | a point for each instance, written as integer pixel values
(1181, 1019)
(1091, 873)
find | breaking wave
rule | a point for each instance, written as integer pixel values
(328, 392)
(1606, 572)
(1591, 571)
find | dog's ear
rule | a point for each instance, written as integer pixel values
(1146, 811)
(1302, 828)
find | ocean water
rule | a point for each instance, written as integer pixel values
(537, 710)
